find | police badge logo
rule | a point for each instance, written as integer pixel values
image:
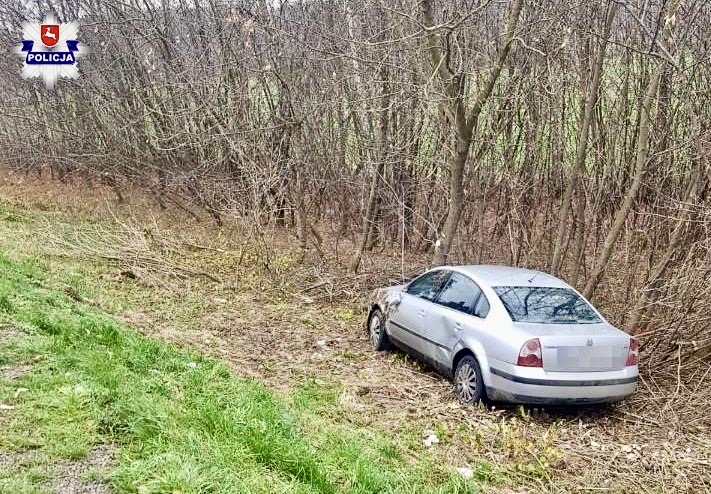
(50, 50)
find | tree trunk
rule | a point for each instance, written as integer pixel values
(581, 150)
(371, 208)
(640, 164)
(649, 295)
(454, 85)
(456, 199)
(623, 212)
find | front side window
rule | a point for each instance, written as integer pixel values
(462, 294)
(427, 286)
(546, 305)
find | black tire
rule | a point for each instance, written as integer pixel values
(376, 331)
(468, 383)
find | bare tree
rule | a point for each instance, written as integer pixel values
(464, 117)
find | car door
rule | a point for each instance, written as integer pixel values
(461, 306)
(405, 324)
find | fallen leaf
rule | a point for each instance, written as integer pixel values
(430, 438)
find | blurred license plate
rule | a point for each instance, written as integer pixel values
(586, 358)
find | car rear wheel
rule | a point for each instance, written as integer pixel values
(376, 331)
(468, 384)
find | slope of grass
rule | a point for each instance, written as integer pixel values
(178, 422)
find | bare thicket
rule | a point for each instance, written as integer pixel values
(569, 136)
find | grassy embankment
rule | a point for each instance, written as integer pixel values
(174, 420)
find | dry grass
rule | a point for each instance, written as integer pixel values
(292, 325)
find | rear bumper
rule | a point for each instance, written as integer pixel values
(507, 382)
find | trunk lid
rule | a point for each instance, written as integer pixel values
(580, 347)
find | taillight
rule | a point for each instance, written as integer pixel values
(633, 353)
(530, 354)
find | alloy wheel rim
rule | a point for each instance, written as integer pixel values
(375, 330)
(466, 383)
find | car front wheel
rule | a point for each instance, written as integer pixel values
(468, 384)
(376, 331)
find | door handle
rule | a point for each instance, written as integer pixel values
(422, 313)
(458, 326)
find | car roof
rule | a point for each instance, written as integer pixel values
(499, 275)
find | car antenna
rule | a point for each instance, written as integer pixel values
(530, 280)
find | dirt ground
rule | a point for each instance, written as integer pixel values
(70, 476)
(67, 477)
(286, 324)
(11, 372)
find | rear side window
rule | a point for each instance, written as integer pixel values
(462, 294)
(481, 309)
(427, 286)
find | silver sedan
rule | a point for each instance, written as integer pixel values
(507, 334)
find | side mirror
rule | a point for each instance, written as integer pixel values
(396, 299)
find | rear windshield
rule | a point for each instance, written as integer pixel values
(546, 305)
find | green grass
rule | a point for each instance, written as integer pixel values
(178, 422)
